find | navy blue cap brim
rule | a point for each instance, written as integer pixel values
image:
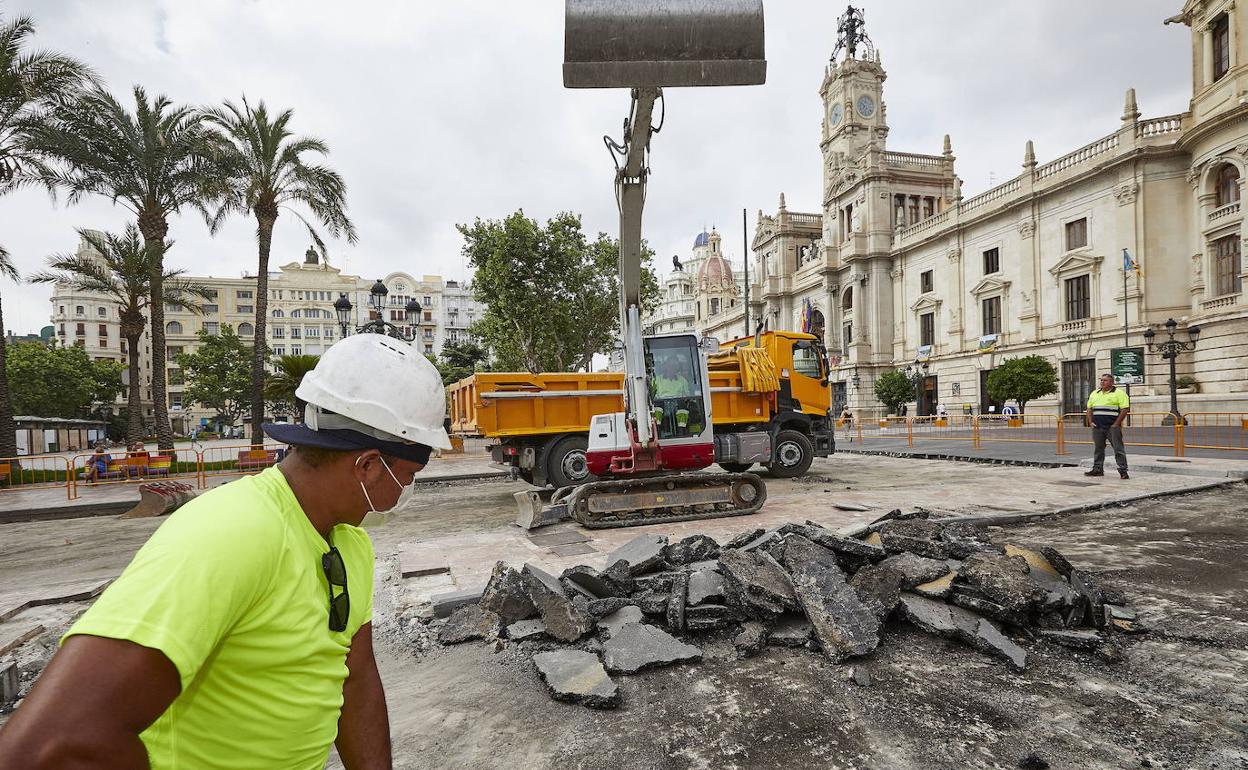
(298, 434)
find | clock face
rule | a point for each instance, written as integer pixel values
(866, 106)
(837, 114)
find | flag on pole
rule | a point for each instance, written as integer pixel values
(1128, 261)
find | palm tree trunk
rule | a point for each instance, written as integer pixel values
(8, 432)
(264, 238)
(154, 229)
(134, 403)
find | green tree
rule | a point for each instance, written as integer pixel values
(893, 389)
(50, 381)
(551, 296)
(460, 359)
(156, 161)
(121, 269)
(269, 169)
(30, 82)
(1022, 379)
(218, 374)
(281, 385)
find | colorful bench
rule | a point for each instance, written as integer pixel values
(256, 459)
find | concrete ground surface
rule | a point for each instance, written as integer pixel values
(1178, 701)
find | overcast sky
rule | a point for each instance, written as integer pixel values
(437, 113)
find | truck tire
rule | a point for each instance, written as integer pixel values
(566, 464)
(792, 456)
(736, 467)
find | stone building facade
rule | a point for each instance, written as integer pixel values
(898, 269)
(302, 320)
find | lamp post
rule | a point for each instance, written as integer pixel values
(377, 302)
(1169, 349)
(916, 373)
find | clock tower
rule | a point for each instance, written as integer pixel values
(853, 105)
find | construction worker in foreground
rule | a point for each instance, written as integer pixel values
(240, 635)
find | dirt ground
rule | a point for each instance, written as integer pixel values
(1177, 701)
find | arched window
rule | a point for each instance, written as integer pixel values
(173, 327)
(1228, 185)
(296, 314)
(278, 314)
(847, 299)
(246, 330)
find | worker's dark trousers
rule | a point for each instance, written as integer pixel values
(1115, 439)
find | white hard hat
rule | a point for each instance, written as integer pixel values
(378, 386)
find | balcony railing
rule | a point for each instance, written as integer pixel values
(1076, 326)
(1223, 212)
(1219, 302)
(1078, 157)
(1169, 124)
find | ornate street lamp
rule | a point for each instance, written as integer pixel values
(377, 301)
(1169, 350)
(342, 306)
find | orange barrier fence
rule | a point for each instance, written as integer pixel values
(241, 460)
(121, 467)
(1198, 430)
(37, 472)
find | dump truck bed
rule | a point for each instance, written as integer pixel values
(505, 404)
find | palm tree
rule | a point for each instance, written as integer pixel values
(121, 268)
(269, 171)
(155, 161)
(282, 384)
(29, 83)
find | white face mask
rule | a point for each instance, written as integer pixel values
(374, 517)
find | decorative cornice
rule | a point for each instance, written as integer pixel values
(926, 303)
(990, 285)
(1076, 263)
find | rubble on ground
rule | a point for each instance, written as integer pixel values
(799, 585)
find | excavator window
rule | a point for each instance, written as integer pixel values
(675, 387)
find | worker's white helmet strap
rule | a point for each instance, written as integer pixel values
(320, 419)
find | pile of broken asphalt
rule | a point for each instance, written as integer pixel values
(800, 585)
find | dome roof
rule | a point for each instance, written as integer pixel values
(715, 273)
(703, 239)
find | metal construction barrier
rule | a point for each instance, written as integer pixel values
(1154, 429)
(1197, 430)
(37, 472)
(113, 467)
(1216, 430)
(241, 460)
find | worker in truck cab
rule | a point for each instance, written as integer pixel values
(240, 636)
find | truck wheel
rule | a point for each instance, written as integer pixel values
(736, 467)
(793, 455)
(566, 466)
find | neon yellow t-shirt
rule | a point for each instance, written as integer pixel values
(232, 591)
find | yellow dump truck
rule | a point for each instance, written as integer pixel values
(770, 403)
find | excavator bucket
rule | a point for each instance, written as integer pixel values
(660, 43)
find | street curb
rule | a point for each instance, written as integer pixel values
(118, 507)
(956, 458)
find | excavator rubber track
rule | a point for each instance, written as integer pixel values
(661, 499)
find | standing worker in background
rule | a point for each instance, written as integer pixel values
(240, 636)
(1107, 408)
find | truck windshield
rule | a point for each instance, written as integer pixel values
(806, 360)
